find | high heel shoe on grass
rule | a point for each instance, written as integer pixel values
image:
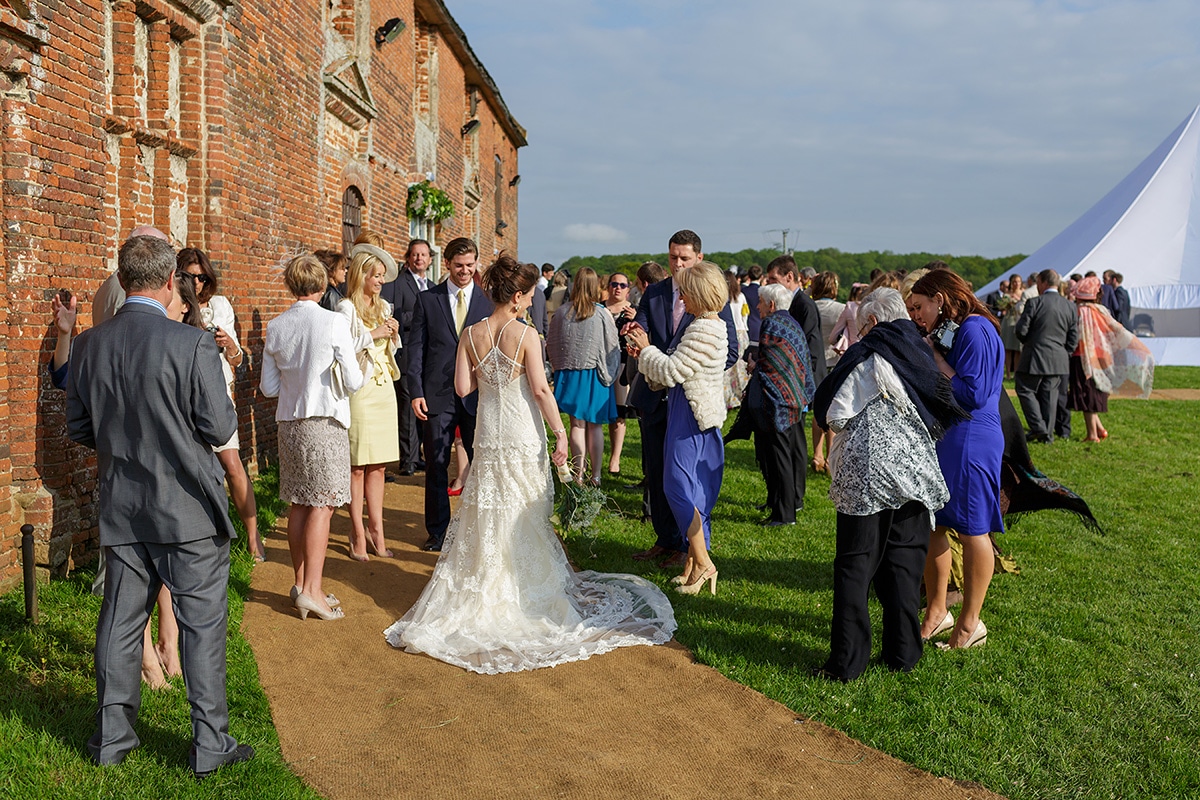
(946, 624)
(709, 577)
(977, 638)
(307, 605)
(680, 580)
(453, 492)
(330, 600)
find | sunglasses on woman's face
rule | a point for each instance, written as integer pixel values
(617, 285)
(198, 277)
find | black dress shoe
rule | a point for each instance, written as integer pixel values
(419, 466)
(639, 485)
(775, 523)
(822, 672)
(432, 545)
(243, 752)
(407, 471)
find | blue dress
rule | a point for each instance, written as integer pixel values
(694, 465)
(970, 452)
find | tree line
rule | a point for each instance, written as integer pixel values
(849, 267)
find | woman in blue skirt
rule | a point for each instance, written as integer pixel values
(584, 350)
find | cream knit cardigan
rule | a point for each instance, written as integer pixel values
(699, 364)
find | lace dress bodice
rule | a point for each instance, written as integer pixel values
(502, 597)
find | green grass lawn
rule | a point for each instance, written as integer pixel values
(1087, 686)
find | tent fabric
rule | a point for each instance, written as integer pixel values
(1148, 229)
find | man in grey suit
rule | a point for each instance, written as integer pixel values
(1049, 331)
(148, 395)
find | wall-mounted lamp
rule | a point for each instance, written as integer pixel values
(389, 31)
(516, 179)
(500, 226)
(470, 126)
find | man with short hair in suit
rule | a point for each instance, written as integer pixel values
(441, 315)
(402, 294)
(1121, 296)
(1049, 332)
(148, 395)
(662, 315)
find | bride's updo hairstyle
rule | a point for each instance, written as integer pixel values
(508, 277)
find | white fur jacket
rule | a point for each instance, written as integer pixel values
(699, 364)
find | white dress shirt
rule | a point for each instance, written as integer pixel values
(453, 292)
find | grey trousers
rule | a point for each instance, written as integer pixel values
(1039, 400)
(197, 573)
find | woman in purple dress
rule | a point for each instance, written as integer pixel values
(694, 455)
(967, 349)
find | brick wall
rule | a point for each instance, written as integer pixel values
(236, 127)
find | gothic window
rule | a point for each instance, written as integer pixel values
(352, 206)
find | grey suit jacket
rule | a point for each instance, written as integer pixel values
(1049, 331)
(148, 395)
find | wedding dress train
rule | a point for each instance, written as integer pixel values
(503, 597)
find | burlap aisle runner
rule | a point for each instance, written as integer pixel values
(358, 719)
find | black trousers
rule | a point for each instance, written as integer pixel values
(411, 429)
(654, 440)
(783, 456)
(439, 441)
(888, 549)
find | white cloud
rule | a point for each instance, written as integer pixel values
(594, 232)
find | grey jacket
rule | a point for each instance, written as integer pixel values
(148, 395)
(588, 344)
(1049, 330)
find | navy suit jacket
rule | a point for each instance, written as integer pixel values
(753, 320)
(402, 294)
(434, 347)
(805, 311)
(654, 316)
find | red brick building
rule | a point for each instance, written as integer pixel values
(252, 130)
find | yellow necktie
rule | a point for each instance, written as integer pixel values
(460, 313)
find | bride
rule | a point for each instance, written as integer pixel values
(502, 597)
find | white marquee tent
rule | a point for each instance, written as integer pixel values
(1148, 229)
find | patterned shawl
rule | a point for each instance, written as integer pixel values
(783, 368)
(1116, 360)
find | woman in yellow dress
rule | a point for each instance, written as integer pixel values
(374, 425)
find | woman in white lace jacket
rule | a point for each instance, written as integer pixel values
(694, 457)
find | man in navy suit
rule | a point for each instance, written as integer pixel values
(441, 315)
(662, 315)
(402, 293)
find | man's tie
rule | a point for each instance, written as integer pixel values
(460, 313)
(677, 312)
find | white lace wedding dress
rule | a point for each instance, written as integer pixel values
(502, 597)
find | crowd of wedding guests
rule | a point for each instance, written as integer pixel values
(902, 383)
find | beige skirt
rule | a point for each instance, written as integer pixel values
(374, 425)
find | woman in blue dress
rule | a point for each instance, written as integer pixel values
(694, 455)
(970, 453)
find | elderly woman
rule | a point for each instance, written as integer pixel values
(583, 348)
(965, 340)
(889, 403)
(309, 364)
(216, 314)
(374, 419)
(694, 456)
(777, 396)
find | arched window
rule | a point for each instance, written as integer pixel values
(352, 206)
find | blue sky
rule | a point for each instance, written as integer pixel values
(982, 127)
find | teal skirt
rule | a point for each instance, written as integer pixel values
(580, 394)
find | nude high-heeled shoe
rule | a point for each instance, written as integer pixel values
(709, 577)
(330, 600)
(679, 580)
(946, 624)
(306, 605)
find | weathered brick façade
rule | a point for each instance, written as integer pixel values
(248, 128)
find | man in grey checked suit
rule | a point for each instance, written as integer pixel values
(1049, 332)
(148, 395)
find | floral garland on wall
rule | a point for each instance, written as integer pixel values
(428, 202)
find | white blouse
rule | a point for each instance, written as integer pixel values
(219, 312)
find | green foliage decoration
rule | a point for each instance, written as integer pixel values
(426, 201)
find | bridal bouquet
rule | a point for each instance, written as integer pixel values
(577, 505)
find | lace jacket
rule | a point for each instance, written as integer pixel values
(698, 363)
